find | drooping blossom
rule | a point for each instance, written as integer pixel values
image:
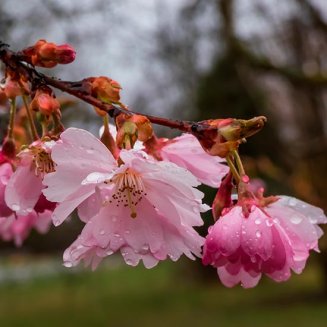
(25, 185)
(143, 208)
(15, 226)
(271, 240)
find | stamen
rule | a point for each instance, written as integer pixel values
(129, 190)
(42, 161)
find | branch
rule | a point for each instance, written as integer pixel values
(15, 62)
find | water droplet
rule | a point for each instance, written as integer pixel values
(145, 247)
(224, 227)
(89, 151)
(102, 232)
(129, 262)
(296, 219)
(15, 207)
(114, 218)
(269, 222)
(245, 179)
(313, 220)
(258, 234)
(127, 231)
(68, 264)
(109, 252)
(56, 220)
(292, 202)
(116, 234)
(29, 210)
(80, 247)
(243, 232)
(257, 221)
(253, 259)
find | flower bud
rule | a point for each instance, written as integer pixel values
(106, 89)
(45, 103)
(223, 198)
(13, 88)
(9, 148)
(46, 54)
(144, 127)
(220, 136)
(127, 135)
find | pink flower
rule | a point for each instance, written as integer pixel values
(143, 208)
(186, 151)
(273, 240)
(15, 226)
(25, 185)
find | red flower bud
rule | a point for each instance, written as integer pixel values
(45, 103)
(46, 54)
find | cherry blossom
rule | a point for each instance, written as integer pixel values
(25, 185)
(272, 240)
(15, 226)
(144, 208)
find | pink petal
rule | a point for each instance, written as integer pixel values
(23, 190)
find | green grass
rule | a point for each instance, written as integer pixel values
(166, 296)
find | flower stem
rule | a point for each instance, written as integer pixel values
(12, 115)
(35, 135)
(233, 169)
(238, 162)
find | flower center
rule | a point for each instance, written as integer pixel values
(42, 160)
(129, 190)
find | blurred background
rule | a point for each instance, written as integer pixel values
(186, 59)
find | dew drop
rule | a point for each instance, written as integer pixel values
(145, 247)
(296, 219)
(269, 223)
(258, 234)
(127, 231)
(15, 207)
(313, 220)
(257, 221)
(292, 202)
(68, 264)
(109, 252)
(102, 232)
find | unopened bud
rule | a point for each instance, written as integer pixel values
(240, 128)
(13, 88)
(46, 54)
(9, 148)
(106, 89)
(220, 136)
(127, 135)
(144, 127)
(223, 198)
(45, 103)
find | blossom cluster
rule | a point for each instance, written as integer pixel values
(138, 194)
